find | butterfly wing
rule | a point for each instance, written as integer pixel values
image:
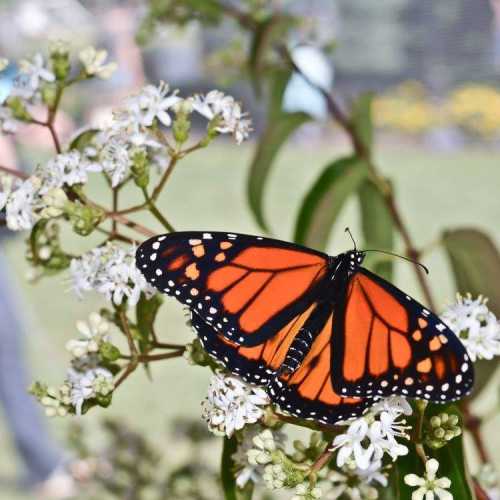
(246, 287)
(255, 364)
(386, 343)
(308, 392)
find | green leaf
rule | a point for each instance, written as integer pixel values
(378, 228)
(475, 262)
(83, 139)
(261, 38)
(146, 311)
(227, 475)
(361, 117)
(280, 126)
(325, 200)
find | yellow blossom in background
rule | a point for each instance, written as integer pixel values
(407, 108)
(475, 108)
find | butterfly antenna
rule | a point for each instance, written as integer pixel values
(401, 257)
(347, 230)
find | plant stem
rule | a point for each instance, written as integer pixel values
(322, 460)
(418, 430)
(14, 172)
(154, 210)
(166, 175)
(363, 152)
(133, 225)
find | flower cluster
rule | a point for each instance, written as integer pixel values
(355, 484)
(88, 377)
(224, 113)
(93, 335)
(232, 403)
(370, 437)
(109, 270)
(475, 325)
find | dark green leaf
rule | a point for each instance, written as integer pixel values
(377, 226)
(261, 38)
(280, 126)
(83, 139)
(146, 311)
(325, 200)
(475, 262)
(273, 138)
(227, 468)
(361, 117)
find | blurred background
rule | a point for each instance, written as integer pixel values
(435, 69)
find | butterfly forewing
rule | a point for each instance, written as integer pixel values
(246, 287)
(387, 343)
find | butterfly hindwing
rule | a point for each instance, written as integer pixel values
(246, 287)
(295, 393)
(308, 391)
(388, 343)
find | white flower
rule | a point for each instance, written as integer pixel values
(88, 384)
(374, 434)
(150, 103)
(231, 118)
(349, 484)
(109, 270)
(8, 124)
(65, 168)
(489, 480)
(305, 492)
(21, 205)
(429, 486)
(53, 202)
(475, 325)
(274, 476)
(93, 61)
(115, 160)
(355, 445)
(36, 71)
(263, 446)
(94, 333)
(3, 63)
(6, 185)
(231, 404)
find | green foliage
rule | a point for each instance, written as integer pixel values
(230, 445)
(146, 312)
(280, 126)
(325, 200)
(361, 119)
(475, 262)
(377, 226)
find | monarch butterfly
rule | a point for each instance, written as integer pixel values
(323, 334)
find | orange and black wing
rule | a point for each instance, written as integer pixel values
(307, 392)
(387, 343)
(247, 288)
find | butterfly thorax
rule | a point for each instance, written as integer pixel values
(342, 266)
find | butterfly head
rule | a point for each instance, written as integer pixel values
(354, 259)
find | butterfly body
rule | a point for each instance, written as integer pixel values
(323, 334)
